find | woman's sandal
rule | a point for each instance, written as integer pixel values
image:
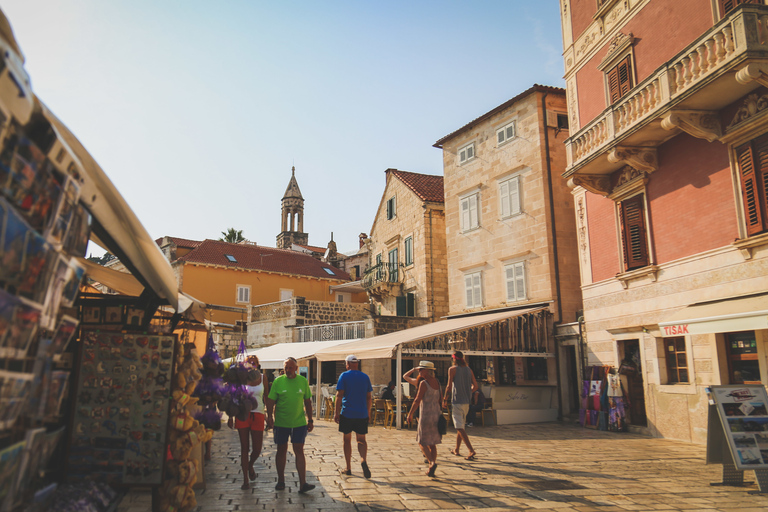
(245, 487)
(252, 474)
(471, 456)
(455, 452)
(432, 469)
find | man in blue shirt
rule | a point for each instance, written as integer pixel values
(353, 404)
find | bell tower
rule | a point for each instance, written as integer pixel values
(292, 225)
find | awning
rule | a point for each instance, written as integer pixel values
(745, 313)
(115, 223)
(350, 287)
(385, 345)
(272, 357)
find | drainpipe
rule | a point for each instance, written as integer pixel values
(431, 270)
(554, 254)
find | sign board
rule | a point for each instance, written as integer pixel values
(743, 414)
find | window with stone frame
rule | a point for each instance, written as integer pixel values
(408, 245)
(677, 360)
(468, 208)
(620, 79)
(727, 6)
(473, 288)
(752, 159)
(243, 294)
(634, 239)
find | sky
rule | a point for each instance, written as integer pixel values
(198, 110)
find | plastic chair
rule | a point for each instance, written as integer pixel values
(330, 408)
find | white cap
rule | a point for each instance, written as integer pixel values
(351, 358)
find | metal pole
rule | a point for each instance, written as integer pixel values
(318, 393)
(399, 372)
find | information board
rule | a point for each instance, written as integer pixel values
(743, 412)
(121, 409)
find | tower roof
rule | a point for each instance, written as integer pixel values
(293, 187)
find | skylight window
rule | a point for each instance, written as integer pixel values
(329, 271)
(231, 258)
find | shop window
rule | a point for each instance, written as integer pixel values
(633, 232)
(677, 360)
(620, 80)
(507, 375)
(752, 159)
(536, 368)
(479, 367)
(727, 6)
(743, 366)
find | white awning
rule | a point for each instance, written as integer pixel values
(110, 210)
(385, 345)
(746, 313)
(272, 357)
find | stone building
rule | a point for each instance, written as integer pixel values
(666, 156)
(510, 231)
(407, 273)
(292, 216)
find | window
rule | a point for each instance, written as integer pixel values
(231, 258)
(329, 271)
(409, 251)
(378, 267)
(677, 361)
(473, 286)
(468, 209)
(391, 208)
(727, 6)
(633, 236)
(509, 197)
(506, 133)
(466, 153)
(753, 174)
(743, 366)
(562, 121)
(243, 294)
(536, 368)
(393, 264)
(620, 80)
(515, 279)
(405, 305)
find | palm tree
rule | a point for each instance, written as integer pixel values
(232, 236)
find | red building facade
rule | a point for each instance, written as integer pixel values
(668, 162)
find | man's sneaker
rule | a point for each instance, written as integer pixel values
(470, 424)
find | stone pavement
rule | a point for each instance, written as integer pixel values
(550, 466)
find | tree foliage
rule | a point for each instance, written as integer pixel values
(232, 236)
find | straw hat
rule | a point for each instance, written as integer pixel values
(427, 365)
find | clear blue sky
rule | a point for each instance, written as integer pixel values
(197, 110)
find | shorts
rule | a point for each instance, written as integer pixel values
(254, 421)
(459, 415)
(356, 425)
(297, 435)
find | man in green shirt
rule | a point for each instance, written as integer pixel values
(289, 398)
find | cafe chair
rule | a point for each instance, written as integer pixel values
(379, 411)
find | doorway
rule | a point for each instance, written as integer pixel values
(571, 388)
(631, 369)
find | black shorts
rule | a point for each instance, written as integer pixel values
(356, 425)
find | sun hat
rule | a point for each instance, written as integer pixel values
(351, 358)
(427, 365)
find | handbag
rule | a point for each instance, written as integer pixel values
(442, 425)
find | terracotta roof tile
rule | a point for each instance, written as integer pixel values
(313, 248)
(427, 186)
(180, 242)
(267, 259)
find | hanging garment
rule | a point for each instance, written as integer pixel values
(614, 385)
(617, 415)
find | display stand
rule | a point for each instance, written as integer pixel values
(738, 419)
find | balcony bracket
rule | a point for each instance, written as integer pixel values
(703, 124)
(596, 183)
(753, 72)
(641, 158)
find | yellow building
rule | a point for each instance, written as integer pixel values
(239, 275)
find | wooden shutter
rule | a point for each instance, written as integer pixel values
(727, 6)
(633, 233)
(620, 79)
(753, 166)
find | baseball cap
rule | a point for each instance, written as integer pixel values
(351, 358)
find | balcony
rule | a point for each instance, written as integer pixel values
(331, 332)
(684, 95)
(384, 279)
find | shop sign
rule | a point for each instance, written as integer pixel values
(675, 330)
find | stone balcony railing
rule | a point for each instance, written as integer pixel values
(731, 41)
(329, 332)
(271, 311)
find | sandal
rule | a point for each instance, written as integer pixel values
(366, 471)
(347, 472)
(252, 474)
(432, 469)
(245, 487)
(306, 488)
(280, 486)
(455, 452)
(471, 456)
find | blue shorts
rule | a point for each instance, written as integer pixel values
(296, 434)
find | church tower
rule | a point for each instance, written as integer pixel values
(292, 226)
